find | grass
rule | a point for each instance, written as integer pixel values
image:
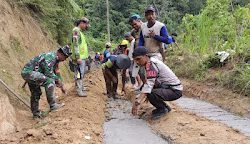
(232, 74)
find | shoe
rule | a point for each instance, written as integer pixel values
(38, 115)
(157, 110)
(56, 106)
(158, 113)
(82, 94)
(109, 95)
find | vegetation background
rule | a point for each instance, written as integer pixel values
(204, 27)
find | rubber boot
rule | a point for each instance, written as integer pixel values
(34, 103)
(79, 88)
(56, 106)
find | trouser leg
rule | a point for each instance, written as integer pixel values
(34, 99)
(158, 96)
(123, 79)
(132, 79)
(114, 85)
(49, 89)
(78, 79)
(35, 80)
(107, 82)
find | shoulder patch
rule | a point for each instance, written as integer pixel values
(151, 72)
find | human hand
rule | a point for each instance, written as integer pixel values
(135, 108)
(151, 33)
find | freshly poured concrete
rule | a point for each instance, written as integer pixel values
(215, 113)
(122, 128)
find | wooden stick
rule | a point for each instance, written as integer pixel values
(16, 95)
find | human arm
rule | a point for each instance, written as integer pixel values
(152, 72)
(76, 39)
(137, 103)
(105, 67)
(163, 37)
(59, 82)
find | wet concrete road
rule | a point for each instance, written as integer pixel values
(122, 128)
(213, 112)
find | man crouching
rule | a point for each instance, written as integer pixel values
(161, 84)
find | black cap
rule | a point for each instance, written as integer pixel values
(123, 61)
(140, 51)
(65, 50)
(150, 8)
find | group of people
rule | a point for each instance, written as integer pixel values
(43, 70)
(140, 55)
(144, 61)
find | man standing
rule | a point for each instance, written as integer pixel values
(135, 22)
(124, 50)
(107, 53)
(80, 54)
(43, 71)
(109, 68)
(161, 85)
(131, 40)
(153, 34)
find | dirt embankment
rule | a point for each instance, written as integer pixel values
(21, 38)
(79, 121)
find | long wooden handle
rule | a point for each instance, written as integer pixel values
(16, 95)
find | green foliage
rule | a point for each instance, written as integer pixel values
(221, 25)
(57, 16)
(170, 13)
(212, 30)
(238, 79)
(212, 62)
(186, 65)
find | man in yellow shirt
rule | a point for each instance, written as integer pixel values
(80, 53)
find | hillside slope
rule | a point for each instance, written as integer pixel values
(21, 38)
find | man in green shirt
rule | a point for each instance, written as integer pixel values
(80, 53)
(43, 71)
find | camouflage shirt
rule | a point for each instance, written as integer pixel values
(45, 63)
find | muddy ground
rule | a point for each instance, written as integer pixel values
(81, 121)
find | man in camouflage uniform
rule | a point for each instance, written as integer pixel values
(43, 71)
(80, 54)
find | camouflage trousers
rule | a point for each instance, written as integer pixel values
(35, 80)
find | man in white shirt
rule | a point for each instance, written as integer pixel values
(161, 84)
